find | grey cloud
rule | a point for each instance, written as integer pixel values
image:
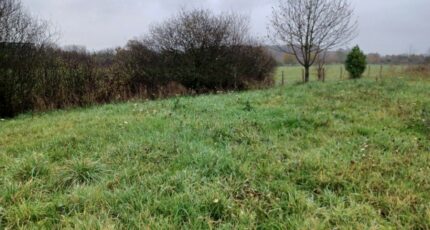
(386, 26)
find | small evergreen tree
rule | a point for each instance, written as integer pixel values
(356, 63)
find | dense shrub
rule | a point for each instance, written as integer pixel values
(356, 62)
(16, 83)
(139, 68)
(201, 51)
(41, 78)
(195, 52)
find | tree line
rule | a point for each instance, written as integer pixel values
(194, 52)
(339, 57)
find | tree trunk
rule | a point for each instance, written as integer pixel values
(307, 74)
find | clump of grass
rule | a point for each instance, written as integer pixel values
(2, 216)
(39, 215)
(216, 209)
(32, 167)
(248, 106)
(177, 104)
(79, 172)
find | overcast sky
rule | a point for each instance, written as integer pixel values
(385, 26)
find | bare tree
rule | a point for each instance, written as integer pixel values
(197, 29)
(201, 50)
(308, 28)
(17, 26)
(22, 39)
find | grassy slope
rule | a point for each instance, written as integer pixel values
(350, 154)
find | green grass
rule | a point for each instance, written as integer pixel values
(341, 154)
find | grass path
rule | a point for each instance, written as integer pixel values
(344, 154)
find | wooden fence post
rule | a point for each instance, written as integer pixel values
(319, 74)
(324, 72)
(368, 70)
(303, 75)
(380, 72)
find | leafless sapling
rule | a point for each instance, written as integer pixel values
(307, 28)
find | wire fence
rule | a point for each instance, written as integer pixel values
(287, 75)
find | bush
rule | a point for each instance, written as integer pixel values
(356, 63)
(195, 52)
(199, 50)
(35, 78)
(17, 81)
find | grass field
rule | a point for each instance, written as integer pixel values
(341, 154)
(293, 74)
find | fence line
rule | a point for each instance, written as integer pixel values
(291, 74)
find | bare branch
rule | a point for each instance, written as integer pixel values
(308, 28)
(17, 26)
